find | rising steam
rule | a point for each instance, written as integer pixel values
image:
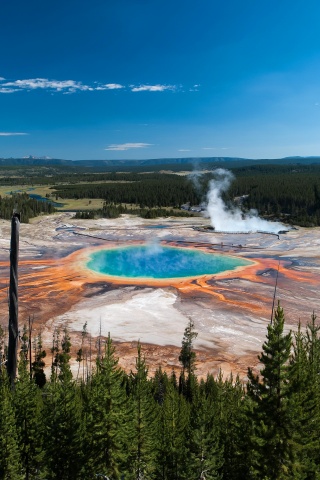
(233, 220)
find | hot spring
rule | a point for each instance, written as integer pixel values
(160, 262)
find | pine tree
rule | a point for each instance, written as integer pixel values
(108, 435)
(313, 348)
(62, 418)
(38, 365)
(144, 421)
(187, 358)
(27, 403)
(304, 401)
(271, 439)
(10, 461)
(205, 458)
(172, 459)
(229, 409)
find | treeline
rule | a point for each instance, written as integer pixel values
(289, 194)
(114, 211)
(26, 206)
(75, 175)
(157, 191)
(111, 424)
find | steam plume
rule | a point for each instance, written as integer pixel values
(233, 220)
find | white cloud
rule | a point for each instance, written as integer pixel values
(72, 86)
(8, 90)
(11, 134)
(64, 86)
(109, 86)
(152, 88)
(184, 150)
(120, 147)
(45, 83)
(112, 86)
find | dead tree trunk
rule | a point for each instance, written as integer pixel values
(13, 299)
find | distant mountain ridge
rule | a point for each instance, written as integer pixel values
(43, 161)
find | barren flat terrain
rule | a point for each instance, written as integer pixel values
(230, 311)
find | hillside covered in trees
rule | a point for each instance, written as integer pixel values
(113, 424)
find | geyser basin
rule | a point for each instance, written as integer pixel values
(160, 262)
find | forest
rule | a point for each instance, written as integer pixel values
(108, 423)
(26, 206)
(290, 193)
(157, 190)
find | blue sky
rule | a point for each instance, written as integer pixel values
(152, 79)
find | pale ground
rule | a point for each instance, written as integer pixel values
(230, 314)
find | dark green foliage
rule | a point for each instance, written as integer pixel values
(108, 432)
(206, 449)
(114, 211)
(144, 416)
(187, 358)
(10, 455)
(134, 427)
(172, 450)
(304, 400)
(27, 401)
(286, 192)
(272, 438)
(62, 418)
(289, 192)
(22, 203)
(39, 364)
(148, 191)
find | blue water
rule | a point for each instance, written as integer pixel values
(159, 262)
(44, 199)
(36, 197)
(157, 226)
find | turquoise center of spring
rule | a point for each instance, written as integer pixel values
(160, 262)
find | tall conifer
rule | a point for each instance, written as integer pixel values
(271, 439)
(10, 461)
(144, 421)
(108, 436)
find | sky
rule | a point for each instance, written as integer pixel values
(137, 79)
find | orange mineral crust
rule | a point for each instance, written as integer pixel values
(65, 279)
(230, 310)
(62, 282)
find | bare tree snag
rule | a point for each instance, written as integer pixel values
(13, 299)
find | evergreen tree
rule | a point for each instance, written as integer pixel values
(144, 422)
(304, 401)
(172, 461)
(226, 397)
(10, 461)
(38, 365)
(205, 458)
(271, 438)
(187, 358)
(62, 418)
(27, 403)
(108, 435)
